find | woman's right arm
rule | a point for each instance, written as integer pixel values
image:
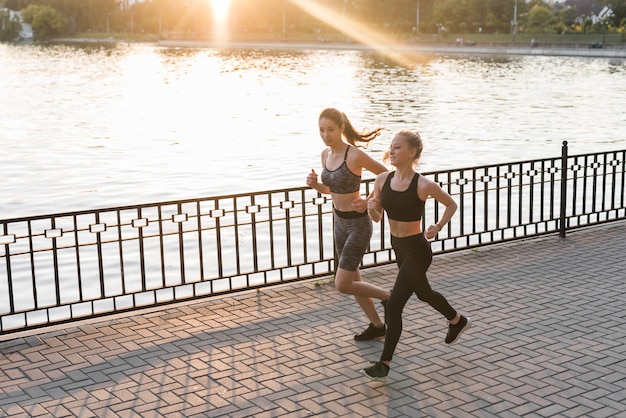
(311, 179)
(374, 206)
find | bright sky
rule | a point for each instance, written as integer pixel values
(220, 9)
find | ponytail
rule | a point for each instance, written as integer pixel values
(352, 136)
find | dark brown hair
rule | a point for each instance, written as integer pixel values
(351, 135)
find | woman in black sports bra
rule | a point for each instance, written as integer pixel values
(341, 177)
(402, 194)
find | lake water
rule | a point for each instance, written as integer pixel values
(85, 127)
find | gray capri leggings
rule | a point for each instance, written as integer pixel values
(353, 231)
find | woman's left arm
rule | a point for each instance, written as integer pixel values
(363, 160)
(432, 189)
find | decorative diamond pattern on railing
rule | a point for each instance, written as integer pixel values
(216, 213)
(180, 217)
(63, 267)
(97, 228)
(53, 233)
(253, 209)
(287, 204)
(140, 222)
(318, 201)
(7, 239)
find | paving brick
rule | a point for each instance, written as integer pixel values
(288, 350)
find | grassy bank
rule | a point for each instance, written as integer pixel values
(552, 39)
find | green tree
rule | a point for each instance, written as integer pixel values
(450, 13)
(9, 27)
(490, 15)
(45, 20)
(538, 18)
(187, 17)
(567, 16)
(499, 14)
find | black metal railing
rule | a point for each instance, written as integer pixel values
(69, 266)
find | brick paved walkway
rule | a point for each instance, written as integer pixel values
(549, 340)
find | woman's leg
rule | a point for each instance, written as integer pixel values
(424, 255)
(414, 257)
(352, 236)
(351, 283)
(402, 290)
(457, 323)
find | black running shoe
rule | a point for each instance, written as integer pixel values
(455, 331)
(377, 372)
(371, 332)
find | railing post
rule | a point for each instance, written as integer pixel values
(563, 189)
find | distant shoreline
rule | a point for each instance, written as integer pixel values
(567, 50)
(574, 50)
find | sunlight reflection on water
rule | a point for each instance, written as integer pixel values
(88, 127)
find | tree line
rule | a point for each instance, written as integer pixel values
(400, 17)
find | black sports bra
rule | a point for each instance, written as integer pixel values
(341, 180)
(405, 206)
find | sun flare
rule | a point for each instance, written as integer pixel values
(377, 40)
(220, 10)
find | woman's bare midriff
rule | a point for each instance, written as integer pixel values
(343, 202)
(405, 229)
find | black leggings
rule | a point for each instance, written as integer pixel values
(413, 256)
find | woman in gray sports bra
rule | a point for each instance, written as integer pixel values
(341, 177)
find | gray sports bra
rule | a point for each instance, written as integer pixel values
(341, 180)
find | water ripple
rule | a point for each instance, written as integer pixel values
(97, 126)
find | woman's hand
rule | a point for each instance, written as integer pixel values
(311, 179)
(432, 231)
(359, 205)
(373, 204)
(374, 209)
